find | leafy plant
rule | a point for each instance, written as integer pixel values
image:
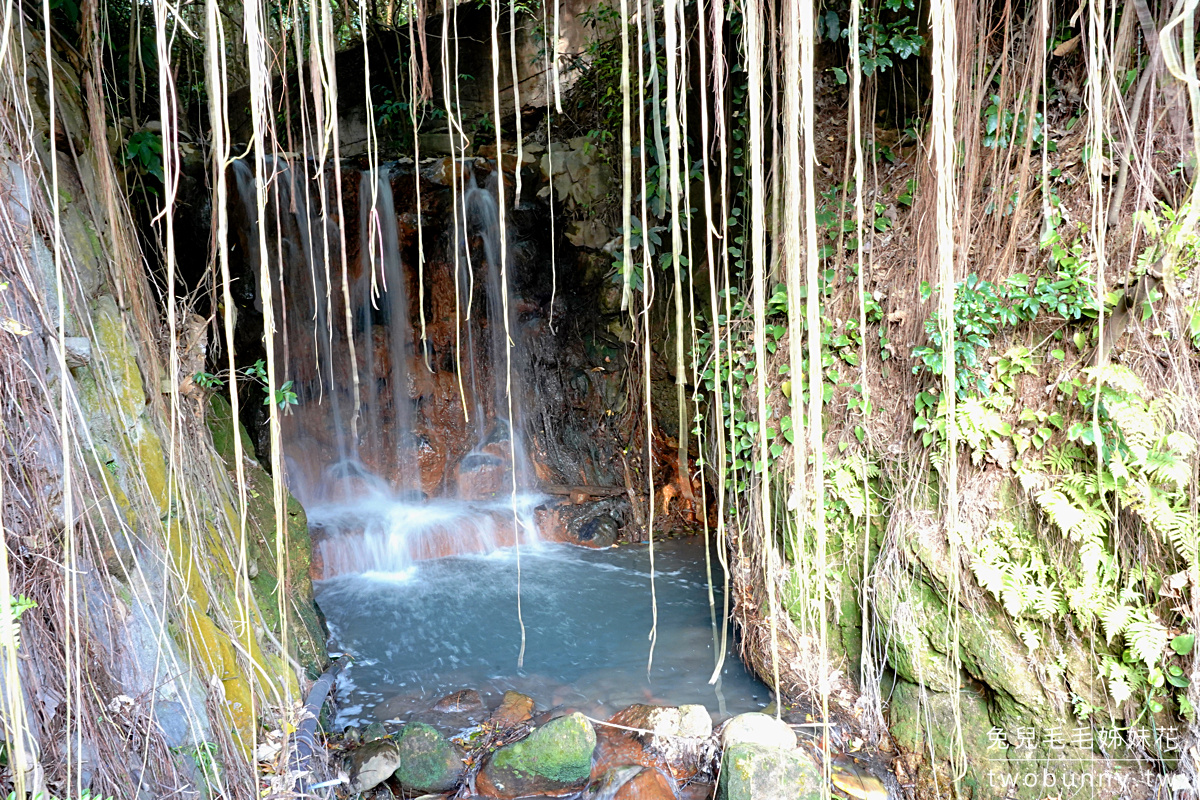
(208, 380)
(143, 150)
(982, 309)
(19, 605)
(881, 43)
(1002, 127)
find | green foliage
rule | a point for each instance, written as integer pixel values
(737, 372)
(982, 309)
(1127, 459)
(1002, 127)
(284, 396)
(143, 150)
(208, 380)
(206, 757)
(19, 605)
(884, 38)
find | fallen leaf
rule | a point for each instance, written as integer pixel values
(12, 326)
(1068, 46)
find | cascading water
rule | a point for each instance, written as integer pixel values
(417, 480)
(365, 471)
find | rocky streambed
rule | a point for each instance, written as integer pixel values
(459, 747)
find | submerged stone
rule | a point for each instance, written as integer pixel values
(631, 782)
(555, 757)
(514, 709)
(428, 761)
(465, 700)
(649, 784)
(760, 772)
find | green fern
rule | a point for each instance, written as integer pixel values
(1146, 637)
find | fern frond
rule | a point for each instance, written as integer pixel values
(1181, 443)
(1135, 422)
(1047, 601)
(1118, 681)
(1114, 619)
(1030, 473)
(1117, 376)
(1062, 458)
(1169, 467)
(1030, 636)
(1146, 636)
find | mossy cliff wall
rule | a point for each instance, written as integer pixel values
(128, 504)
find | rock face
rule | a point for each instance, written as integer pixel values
(554, 758)
(759, 772)
(428, 762)
(372, 764)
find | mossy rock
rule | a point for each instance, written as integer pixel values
(995, 768)
(307, 636)
(220, 425)
(555, 757)
(429, 763)
(759, 772)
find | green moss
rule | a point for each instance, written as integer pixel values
(752, 771)
(560, 750)
(220, 424)
(428, 762)
(123, 378)
(306, 637)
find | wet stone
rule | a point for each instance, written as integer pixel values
(649, 784)
(759, 772)
(674, 739)
(600, 531)
(759, 729)
(515, 708)
(428, 762)
(467, 700)
(610, 781)
(630, 782)
(372, 764)
(374, 732)
(554, 758)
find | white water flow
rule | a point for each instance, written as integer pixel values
(479, 218)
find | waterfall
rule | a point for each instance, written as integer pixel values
(389, 470)
(383, 303)
(479, 216)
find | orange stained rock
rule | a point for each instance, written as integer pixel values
(514, 709)
(649, 784)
